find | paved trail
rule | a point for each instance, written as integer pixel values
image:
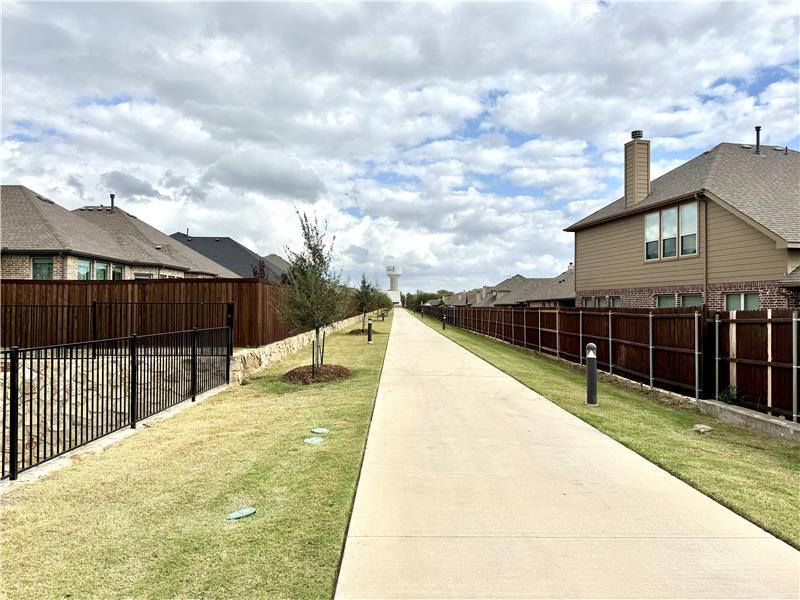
(474, 486)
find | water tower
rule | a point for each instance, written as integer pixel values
(394, 272)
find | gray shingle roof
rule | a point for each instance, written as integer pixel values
(495, 292)
(764, 187)
(560, 287)
(229, 253)
(32, 223)
(131, 234)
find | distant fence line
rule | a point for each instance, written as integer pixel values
(58, 398)
(749, 358)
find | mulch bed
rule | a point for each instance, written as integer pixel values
(302, 375)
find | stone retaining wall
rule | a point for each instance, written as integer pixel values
(246, 362)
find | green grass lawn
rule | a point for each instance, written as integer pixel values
(753, 474)
(146, 518)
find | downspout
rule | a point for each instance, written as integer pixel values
(705, 246)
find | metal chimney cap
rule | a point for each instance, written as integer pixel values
(637, 134)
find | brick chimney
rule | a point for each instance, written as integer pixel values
(637, 169)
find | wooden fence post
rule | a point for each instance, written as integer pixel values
(732, 349)
(580, 337)
(540, 329)
(769, 361)
(696, 355)
(558, 333)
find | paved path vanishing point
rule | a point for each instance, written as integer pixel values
(474, 486)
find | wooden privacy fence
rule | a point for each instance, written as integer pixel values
(62, 310)
(678, 349)
(756, 359)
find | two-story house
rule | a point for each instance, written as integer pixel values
(721, 230)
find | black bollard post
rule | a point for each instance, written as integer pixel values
(591, 374)
(369, 331)
(444, 322)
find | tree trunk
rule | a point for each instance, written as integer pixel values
(318, 353)
(363, 321)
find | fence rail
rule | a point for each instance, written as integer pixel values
(681, 350)
(58, 398)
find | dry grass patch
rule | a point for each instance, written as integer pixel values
(146, 518)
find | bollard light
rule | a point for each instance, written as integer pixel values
(369, 331)
(444, 322)
(591, 374)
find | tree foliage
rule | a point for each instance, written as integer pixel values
(315, 296)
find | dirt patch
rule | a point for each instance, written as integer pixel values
(302, 375)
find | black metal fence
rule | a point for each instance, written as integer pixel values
(58, 398)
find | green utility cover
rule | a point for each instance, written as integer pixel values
(241, 514)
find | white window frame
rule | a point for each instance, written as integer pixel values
(657, 214)
(742, 300)
(659, 296)
(78, 269)
(681, 208)
(693, 295)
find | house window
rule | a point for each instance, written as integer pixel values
(691, 300)
(665, 301)
(669, 233)
(42, 268)
(116, 272)
(588, 302)
(101, 271)
(84, 269)
(689, 229)
(142, 275)
(742, 301)
(616, 301)
(651, 227)
(602, 302)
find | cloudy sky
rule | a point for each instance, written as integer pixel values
(453, 140)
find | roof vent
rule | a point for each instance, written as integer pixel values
(216, 239)
(746, 146)
(758, 139)
(637, 134)
(158, 247)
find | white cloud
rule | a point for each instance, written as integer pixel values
(458, 138)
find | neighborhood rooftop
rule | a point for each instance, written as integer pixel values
(763, 187)
(129, 233)
(233, 255)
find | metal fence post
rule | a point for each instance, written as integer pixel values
(610, 347)
(132, 351)
(558, 333)
(650, 345)
(580, 336)
(540, 329)
(229, 320)
(13, 434)
(94, 328)
(194, 364)
(696, 355)
(716, 356)
(795, 366)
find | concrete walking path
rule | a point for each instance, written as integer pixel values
(474, 486)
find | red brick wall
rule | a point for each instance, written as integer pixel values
(770, 295)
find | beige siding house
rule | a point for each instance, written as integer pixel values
(722, 230)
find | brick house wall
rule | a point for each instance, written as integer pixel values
(19, 266)
(770, 295)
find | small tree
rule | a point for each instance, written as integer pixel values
(383, 302)
(316, 296)
(260, 270)
(365, 299)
